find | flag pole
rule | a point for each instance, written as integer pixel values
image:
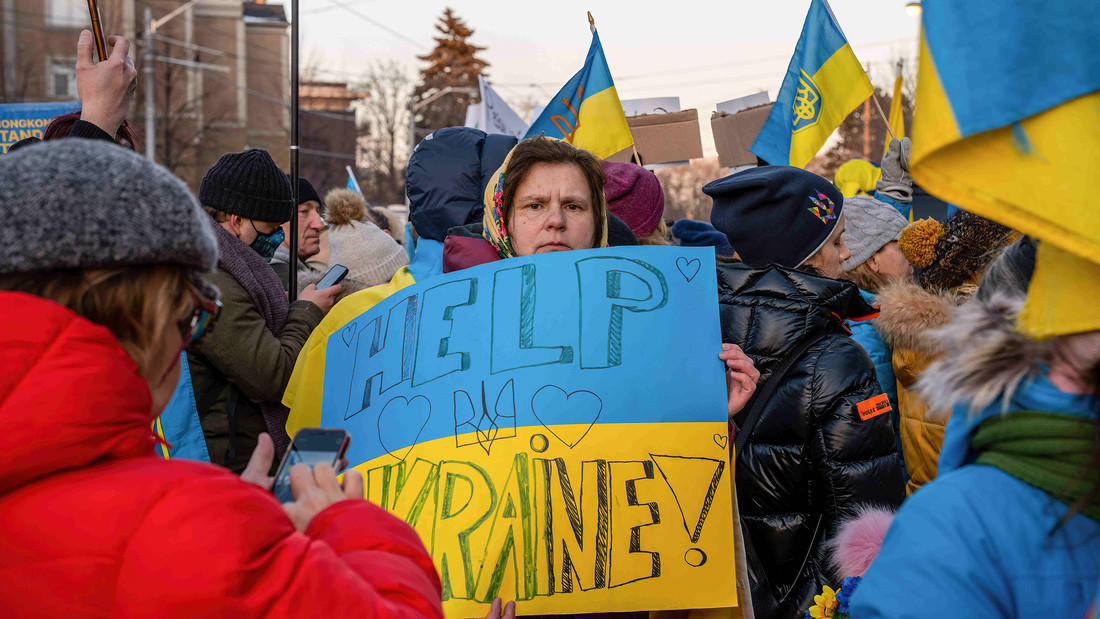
(292, 288)
(885, 119)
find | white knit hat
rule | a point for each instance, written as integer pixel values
(371, 256)
(868, 226)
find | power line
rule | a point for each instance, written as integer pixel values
(380, 25)
(697, 69)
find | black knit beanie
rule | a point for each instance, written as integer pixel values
(618, 233)
(248, 184)
(775, 214)
(306, 192)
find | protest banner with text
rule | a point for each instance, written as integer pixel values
(19, 121)
(553, 426)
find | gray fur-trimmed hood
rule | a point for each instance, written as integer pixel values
(985, 358)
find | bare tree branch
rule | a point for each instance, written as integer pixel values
(384, 116)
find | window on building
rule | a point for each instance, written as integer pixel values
(63, 79)
(67, 13)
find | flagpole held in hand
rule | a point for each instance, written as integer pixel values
(97, 30)
(885, 119)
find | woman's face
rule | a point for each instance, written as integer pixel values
(828, 258)
(891, 263)
(552, 211)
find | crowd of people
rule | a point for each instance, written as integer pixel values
(894, 413)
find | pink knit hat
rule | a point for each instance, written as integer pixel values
(634, 195)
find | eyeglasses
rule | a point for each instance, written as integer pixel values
(201, 321)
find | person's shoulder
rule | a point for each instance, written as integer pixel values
(975, 499)
(190, 491)
(837, 350)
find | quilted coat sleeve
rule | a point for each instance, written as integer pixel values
(854, 460)
(243, 348)
(218, 547)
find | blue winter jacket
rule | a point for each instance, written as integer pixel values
(977, 542)
(864, 333)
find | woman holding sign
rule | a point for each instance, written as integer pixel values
(816, 444)
(549, 196)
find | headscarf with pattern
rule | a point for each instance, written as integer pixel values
(493, 220)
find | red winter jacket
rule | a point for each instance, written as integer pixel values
(93, 524)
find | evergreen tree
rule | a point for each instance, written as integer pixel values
(453, 62)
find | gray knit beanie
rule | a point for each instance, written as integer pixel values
(249, 184)
(868, 226)
(85, 204)
(371, 256)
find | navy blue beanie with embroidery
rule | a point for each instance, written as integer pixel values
(775, 214)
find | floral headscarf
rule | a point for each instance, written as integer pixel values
(493, 219)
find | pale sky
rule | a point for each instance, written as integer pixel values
(703, 52)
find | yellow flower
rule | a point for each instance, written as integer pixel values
(824, 604)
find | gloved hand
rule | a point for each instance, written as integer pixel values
(896, 182)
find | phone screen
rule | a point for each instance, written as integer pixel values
(311, 446)
(334, 276)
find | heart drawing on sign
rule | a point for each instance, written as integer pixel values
(722, 440)
(348, 334)
(568, 416)
(401, 422)
(688, 268)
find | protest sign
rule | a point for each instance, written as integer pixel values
(554, 427)
(24, 120)
(497, 115)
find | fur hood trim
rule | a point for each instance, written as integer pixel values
(343, 206)
(908, 312)
(859, 540)
(985, 358)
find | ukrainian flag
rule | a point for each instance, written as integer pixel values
(586, 112)
(1007, 116)
(824, 83)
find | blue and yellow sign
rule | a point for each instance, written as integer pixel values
(19, 121)
(553, 426)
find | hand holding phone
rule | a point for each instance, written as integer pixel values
(334, 276)
(311, 446)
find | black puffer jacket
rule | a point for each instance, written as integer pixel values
(811, 461)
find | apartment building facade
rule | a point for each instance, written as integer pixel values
(222, 79)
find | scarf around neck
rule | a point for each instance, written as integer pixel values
(254, 274)
(1047, 450)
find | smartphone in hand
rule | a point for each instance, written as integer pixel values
(334, 276)
(310, 446)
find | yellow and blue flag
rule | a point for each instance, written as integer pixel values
(352, 183)
(178, 425)
(824, 83)
(1007, 115)
(587, 112)
(1007, 125)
